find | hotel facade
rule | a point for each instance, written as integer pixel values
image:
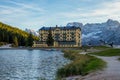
(69, 36)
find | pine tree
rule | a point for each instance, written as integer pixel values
(15, 41)
(50, 40)
(30, 40)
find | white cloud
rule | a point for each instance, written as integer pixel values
(20, 8)
(28, 6)
(11, 10)
(21, 14)
(107, 9)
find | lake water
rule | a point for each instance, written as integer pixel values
(30, 64)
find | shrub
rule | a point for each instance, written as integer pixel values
(119, 58)
(2, 43)
(80, 64)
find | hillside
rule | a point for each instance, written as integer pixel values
(11, 35)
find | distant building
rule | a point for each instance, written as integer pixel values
(69, 36)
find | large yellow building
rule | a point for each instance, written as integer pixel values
(69, 36)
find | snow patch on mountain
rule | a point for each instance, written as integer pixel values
(32, 31)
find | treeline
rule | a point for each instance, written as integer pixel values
(15, 36)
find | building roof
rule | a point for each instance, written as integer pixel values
(62, 28)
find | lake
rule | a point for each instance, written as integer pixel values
(30, 64)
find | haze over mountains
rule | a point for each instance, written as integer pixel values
(97, 33)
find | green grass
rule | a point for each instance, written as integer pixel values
(80, 64)
(101, 47)
(108, 52)
(93, 65)
(95, 47)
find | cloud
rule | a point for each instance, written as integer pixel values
(21, 8)
(106, 9)
(109, 8)
(21, 14)
(7, 10)
(28, 6)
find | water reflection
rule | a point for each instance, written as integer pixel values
(29, 64)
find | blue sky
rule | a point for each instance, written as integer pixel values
(34, 14)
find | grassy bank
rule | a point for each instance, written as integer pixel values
(101, 47)
(80, 64)
(96, 47)
(108, 52)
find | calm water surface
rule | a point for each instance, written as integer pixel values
(30, 64)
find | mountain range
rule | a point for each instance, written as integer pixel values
(99, 33)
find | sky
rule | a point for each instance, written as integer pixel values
(34, 14)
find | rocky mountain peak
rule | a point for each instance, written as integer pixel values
(108, 31)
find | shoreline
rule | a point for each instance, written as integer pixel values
(57, 48)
